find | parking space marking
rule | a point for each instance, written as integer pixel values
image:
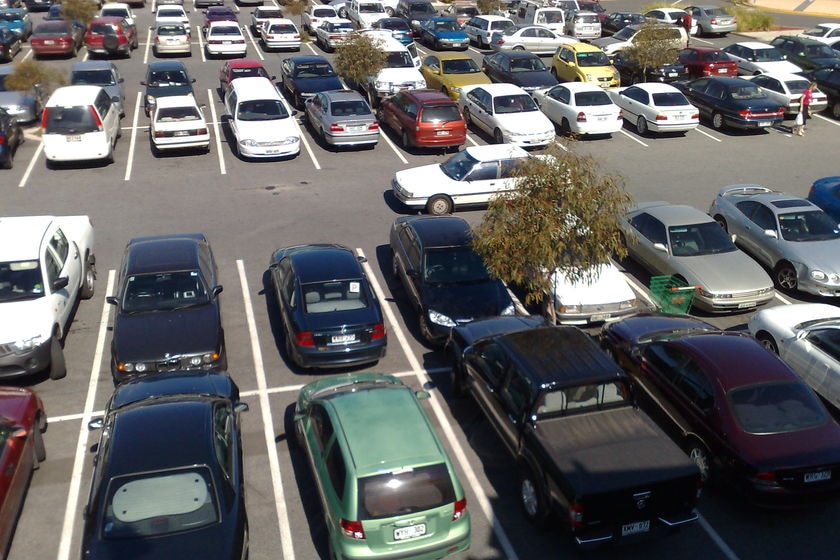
(717, 539)
(247, 29)
(306, 145)
(707, 135)
(27, 55)
(31, 165)
(633, 137)
(826, 119)
(311, 48)
(147, 46)
(201, 43)
(133, 141)
(218, 130)
(81, 445)
(426, 381)
(471, 140)
(393, 147)
(268, 422)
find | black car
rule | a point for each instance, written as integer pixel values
(520, 68)
(631, 74)
(165, 78)
(10, 138)
(168, 311)
(10, 44)
(828, 82)
(619, 20)
(331, 315)
(445, 280)
(806, 53)
(168, 477)
(732, 102)
(303, 76)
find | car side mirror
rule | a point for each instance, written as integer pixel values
(60, 283)
(361, 259)
(112, 300)
(771, 233)
(96, 423)
(422, 394)
(121, 80)
(412, 272)
(217, 290)
(660, 247)
(273, 77)
(241, 407)
(143, 83)
(192, 81)
(115, 99)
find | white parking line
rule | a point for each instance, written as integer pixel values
(728, 552)
(633, 137)
(201, 43)
(31, 165)
(393, 146)
(310, 47)
(27, 55)
(146, 49)
(826, 119)
(306, 145)
(706, 134)
(268, 423)
(133, 142)
(71, 509)
(247, 29)
(471, 140)
(445, 426)
(218, 130)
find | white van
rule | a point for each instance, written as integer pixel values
(583, 25)
(400, 72)
(260, 120)
(539, 13)
(80, 123)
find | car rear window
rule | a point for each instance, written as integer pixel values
(770, 408)
(404, 492)
(282, 28)
(103, 29)
(440, 114)
(349, 108)
(178, 114)
(225, 30)
(173, 29)
(52, 28)
(323, 12)
(592, 98)
(589, 59)
(343, 295)
(669, 99)
(70, 120)
(500, 25)
(92, 77)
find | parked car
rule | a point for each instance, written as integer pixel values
(80, 123)
(463, 11)
(672, 16)
(399, 73)
(415, 12)
(674, 36)
(110, 35)
(679, 240)
(580, 108)
(313, 16)
(532, 38)
(170, 448)
(342, 118)
(445, 280)
(522, 69)
(617, 21)
(399, 28)
(587, 459)
(23, 422)
(823, 32)
(261, 13)
(172, 13)
(443, 33)
(305, 75)
(171, 38)
(178, 123)
(10, 44)
(332, 33)
(11, 136)
(471, 177)
(199, 4)
(707, 61)
(100, 73)
(220, 13)
(240, 68)
(118, 9)
(753, 57)
(732, 102)
(825, 193)
(808, 54)
(164, 78)
(828, 81)
(424, 118)
(259, 120)
(655, 107)
(582, 62)
(450, 72)
(738, 410)
(385, 482)
(17, 21)
(279, 33)
(57, 37)
(787, 89)
(24, 107)
(603, 295)
(480, 29)
(224, 38)
(630, 73)
(507, 113)
(712, 20)
(583, 25)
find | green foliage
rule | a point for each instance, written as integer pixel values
(653, 47)
(563, 213)
(358, 57)
(79, 10)
(750, 19)
(29, 74)
(488, 6)
(294, 7)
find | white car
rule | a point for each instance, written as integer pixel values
(626, 37)
(807, 337)
(507, 113)
(332, 32)
(825, 32)
(672, 16)
(280, 33)
(656, 107)
(260, 120)
(604, 295)
(171, 38)
(178, 123)
(314, 15)
(172, 14)
(754, 57)
(118, 9)
(80, 123)
(580, 108)
(471, 177)
(225, 38)
(786, 90)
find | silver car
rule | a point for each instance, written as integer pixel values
(171, 38)
(532, 38)
(682, 241)
(342, 118)
(23, 107)
(712, 20)
(807, 337)
(100, 73)
(789, 235)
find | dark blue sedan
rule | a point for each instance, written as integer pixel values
(444, 33)
(303, 76)
(732, 102)
(520, 68)
(168, 477)
(825, 193)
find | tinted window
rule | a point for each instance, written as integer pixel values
(454, 265)
(176, 114)
(776, 407)
(407, 491)
(350, 108)
(344, 295)
(592, 98)
(92, 77)
(70, 120)
(592, 59)
(440, 114)
(670, 99)
(807, 226)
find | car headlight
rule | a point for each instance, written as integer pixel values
(250, 142)
(590, 78)
(196, 361)
(290, 140)
(26, 344)
(382, 85)
(420, 84)
(455, 89)
(819, 275)
(415, 22)
(615, 74)
(629, 304)
(440, 319)
(131, 367)
(509, 310)
(150, 100)
(568, 308)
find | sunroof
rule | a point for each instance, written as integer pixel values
(791, 203)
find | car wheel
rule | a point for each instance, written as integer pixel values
(298, 100)
(785, 276)
(498, 137)
(636, 79)
(58, 368)
(767, 341)
(395, 268)
(439, 205)
(8, 163)
(531, 498)
(519, 48)
(88, 280)
(835, 110)
(721, 221)
(467, 116)
(565, 127)
(425, 328)
(40, 449)
(405, 141)
(717, 121)
(701, 457)
(641, 126)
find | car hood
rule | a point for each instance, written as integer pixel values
(400, 75)
(723, 272)
(541, 79)
(315, 85)
(608, 285)
(461, 80)
(531, 122)
(167, 91)
(25, 319)
(604, 41)
(152, 335)
(820, 255)
(266, 131)
(466, 301)
(423, 179)
(13, 98)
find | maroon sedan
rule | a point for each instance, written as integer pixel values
(240, 68)
(737, 409)
(57, 37)
(707, 61)
(22, 423)
(424, 118)
(218, 13)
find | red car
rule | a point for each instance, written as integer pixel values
(218, 13)
(241, 68)
(57, 37)
(733, 406)
(424, 118)
(110, 35)
(22, 423)
(707, 61)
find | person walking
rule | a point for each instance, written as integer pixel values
(686, 23)
(805, 106)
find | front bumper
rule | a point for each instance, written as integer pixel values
(269, 150)
(24, 363)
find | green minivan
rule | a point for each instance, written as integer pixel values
(387, 486)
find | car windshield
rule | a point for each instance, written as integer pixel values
(742, 93)
(460, 66)
(9, 16)
(625, 33)
(164, 291)
(592, 98)
(818, 31)
(440, 114)
(393, 24)
(767, 55)
(261, 110)
(313, 71)
(157, 503)
(669, 99)
(771, 408)
(582, 398)
(453, 265)
(404, 492)
(323, 12)
(715, 12)
(70, 120)
(178, 114)
(341, 295)
(699, 239)
(168, 78)
(715, 56)
(527, 65)
(815, 225)
(266, 13)
(114, 12)
(586, 59)
(458, 165)
(20, 280)
(517, 103)
(171, 30)
(399, 59)
(349, 108)
(92, 77)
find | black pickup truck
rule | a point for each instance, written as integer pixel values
(565, 412)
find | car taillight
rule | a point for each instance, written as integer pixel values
(201, 131)
(304, 338)
(352, 529)
(460, 509)
(2, 140)
(378, 331)
(661, 117)
(713, 21)
(96, 120)
(44, 118)
(620, 114)
(695, 116)
(157, 39)
(768, 477)
(500, 42)
(160, 134)
(334, 127)
(373, 126)
(581, 117)
(576, 515)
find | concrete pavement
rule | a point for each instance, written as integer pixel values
(829, 9)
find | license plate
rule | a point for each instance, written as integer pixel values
(75, 138)
(355, 128)
(679, 117)
(49, 42)
(272, 150)
(599, 317)
(817, 476)
(227, 42)
(442, 133)
(764, 123)
(181, 133)
(672, 74)
(411, 532)
(343, 339)
(746, 305)
(721, 70)
(602, 118)
(635, 528)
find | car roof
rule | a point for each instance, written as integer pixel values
(500, 89)
(162, 253)
(582, 47)
(581, 86)
(176, 101)
(91, 65)
(803, 40)
(254, 87)
(429, 96)
(166, 65)
(450, 55)
(728, 81)
(491, 152)
(224, 23)
(440, 231)
(755, 45)
(778, 202)
(306, 59)
(244, 63)
(278, 21)
(27, 231)
(674, 214)
(784, 76)
(515, 54)
(656, 87)
(323, 262)
(343, 95)
(68, 96)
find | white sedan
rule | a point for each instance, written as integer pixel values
(604, 295)
(507, 113)
(807, 337)
(656, 107)
(786, 89)
(172, 14)
(178, 124)
(825, 32)
(580, 108)
(279, 33)
(225, 38)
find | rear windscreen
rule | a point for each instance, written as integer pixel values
(441, 113)
(70, 120)
(405, 492)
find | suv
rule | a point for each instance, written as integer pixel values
(415, 12)
(80, 123)
(164, 78)
(399, 73)
(445, 280)
(100, 73)
(424, 118)
(110, 35)
(582, 62)
(480, 29)
(387, 486)
(806, 53)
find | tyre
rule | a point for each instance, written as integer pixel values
(110, 157)
(702, 458)
(395, 268)
(298, 100)
(456, 378)
(532, 498)
(717, 121)
(425, 328)
(406, 143)
(467, 116)
(565, 127)
(58, 369)
(40, 447)
(88, 279)
(768, 342)
(721, 221)
(8, 163)
(519, 48)
(641, 126)
(498, 137)
(439, 205)
(785, 276)
(835, 110)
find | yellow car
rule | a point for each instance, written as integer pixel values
(449, 72)
(582, 62)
